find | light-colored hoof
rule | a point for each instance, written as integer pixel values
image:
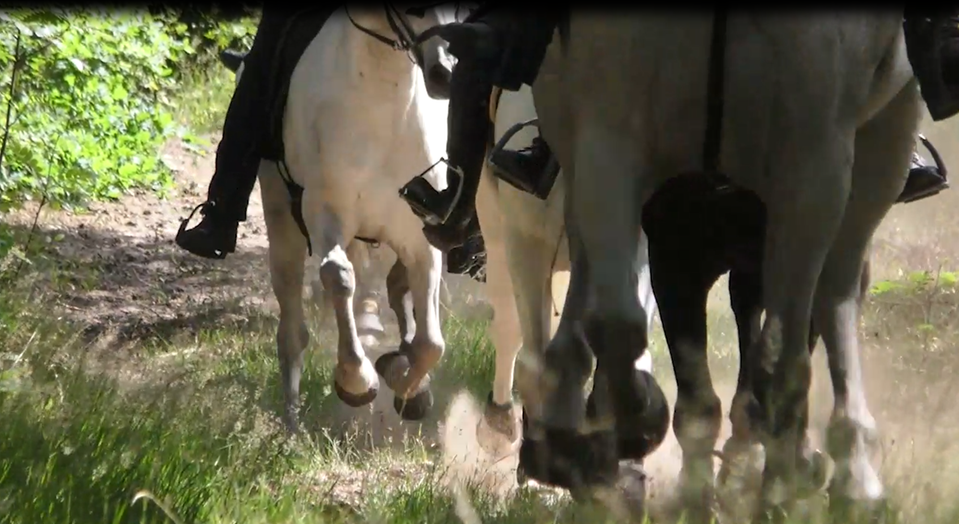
(499, 429)
(368, 319)
(357, 386)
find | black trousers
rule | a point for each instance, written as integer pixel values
(238, 155)
(527, 34)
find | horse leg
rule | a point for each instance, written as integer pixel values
(406, 371)
(499, 427)
(354, 378)
(654, 420)
(366, 308)
(287, 253)
(805, 209)
(616, 328)
(401, 300)
(882, 150)
(682, 285)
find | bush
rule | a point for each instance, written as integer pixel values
(89, 101)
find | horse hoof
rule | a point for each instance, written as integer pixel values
(353, 400)
(639, 432)
(416, 407)
(498, 429)
(570, 460)
(369, 324)
(816, 474)
(385, 362)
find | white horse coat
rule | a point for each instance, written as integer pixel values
(358, 123)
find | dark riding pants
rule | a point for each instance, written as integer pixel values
(471, 85)
(238, 155)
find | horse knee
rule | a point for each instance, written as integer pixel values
(338, 278)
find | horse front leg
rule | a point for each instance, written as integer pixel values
(406, 371)
(882, 155)
(287, 253)
(354, 378)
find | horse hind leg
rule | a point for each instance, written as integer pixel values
(683, 291)
(287, 250)
(882, 156)
(366, 309)
(401, 300)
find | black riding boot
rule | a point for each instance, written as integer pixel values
(237, 155)
(924, 180)
(449, 213)
(932, 45)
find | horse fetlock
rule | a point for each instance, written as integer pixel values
(697, 422)
(367, 314)
(338, 279)
(356, 385)
(401, 374)
(623, 341)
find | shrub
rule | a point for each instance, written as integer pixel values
(87, 95)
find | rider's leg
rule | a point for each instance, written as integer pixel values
(532, 169)
(237, 155)
(448, 213)
(932, 44)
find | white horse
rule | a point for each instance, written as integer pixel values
(358, 120)
(821, 114)
(527, 270)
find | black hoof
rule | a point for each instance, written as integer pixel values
(640, 431)
(369, 324)
(416, 407)
(383, 364)
(354, 401)
(570, 460)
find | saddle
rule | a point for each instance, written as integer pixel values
(299, 32)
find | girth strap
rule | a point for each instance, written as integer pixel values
(715, 94)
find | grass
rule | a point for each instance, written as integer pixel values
(190, 425)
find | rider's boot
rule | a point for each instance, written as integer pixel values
(448, 214)
(932, 45)
(532, 169)
(237, 155)
(924, 180)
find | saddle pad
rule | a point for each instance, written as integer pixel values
(301, 28)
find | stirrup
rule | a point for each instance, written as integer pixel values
(204, 208)
(940, 165)
(940, 168)
(427, 215)
(551, 170)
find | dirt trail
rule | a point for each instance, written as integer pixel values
(121, 271)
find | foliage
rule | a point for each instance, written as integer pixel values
(91, 98)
